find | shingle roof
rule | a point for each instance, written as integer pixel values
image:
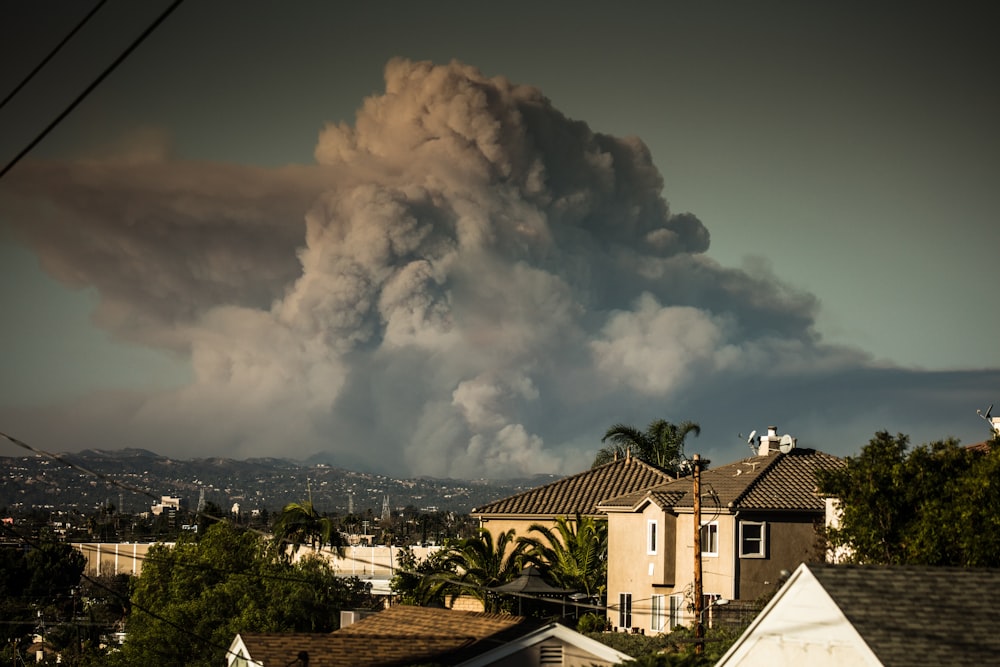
(581, 492)
(776, 481)
(400, 635)
(407, 619)
(912, 615)
(335, 650)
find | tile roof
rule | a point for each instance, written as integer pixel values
(912, 615)
(400, 635)
(581, 492)
(776, 481)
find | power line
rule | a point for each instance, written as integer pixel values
(51, 54)
(128, 601)
(96, 82)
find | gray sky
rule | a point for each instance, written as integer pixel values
(242, 244)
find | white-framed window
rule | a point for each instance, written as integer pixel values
(676, 610)
(624, 610)
(658, 616)
(651, 537)
(753, 539)
(710, 538)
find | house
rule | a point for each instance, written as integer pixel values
(580, 493)
(554, 644)
(832, 615)
(405, 635)
(758, 518)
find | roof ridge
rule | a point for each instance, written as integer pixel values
(622, 464)
(756, 480)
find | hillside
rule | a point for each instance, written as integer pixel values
(263, 483)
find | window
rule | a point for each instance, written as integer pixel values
(658, 614)
(651, 537)
(753, 539)
(710, 539)
(624, 610)
(676, 610)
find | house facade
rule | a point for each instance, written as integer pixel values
(758, 520)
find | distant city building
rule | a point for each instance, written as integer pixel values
(169, 503)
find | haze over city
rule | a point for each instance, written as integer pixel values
(461, 240)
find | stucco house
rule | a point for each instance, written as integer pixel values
(580, 493)
(875, 616)
(758, 518)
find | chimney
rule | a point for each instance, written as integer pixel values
(768, 441)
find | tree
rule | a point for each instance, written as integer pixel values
(35, 584)
(938, 504)
(191, 599)
(424, 583)
(300, 523)
(573, 555)
(661, 444)
(481, 564)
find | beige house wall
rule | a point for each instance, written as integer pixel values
(631, 569)
(112, 558)
(631, 566)
(125, 558)
(522, 527)
(572, 656)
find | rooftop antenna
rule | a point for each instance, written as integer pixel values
(994, 422)
(752, 441)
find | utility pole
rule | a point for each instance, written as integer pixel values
(699, 631)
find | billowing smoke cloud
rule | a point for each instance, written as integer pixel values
(467, 283)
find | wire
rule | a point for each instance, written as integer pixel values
(128, 601)
(354, 559)
(51, 54)
(89, 89)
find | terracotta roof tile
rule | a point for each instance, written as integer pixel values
(773, 482)
(581, 492)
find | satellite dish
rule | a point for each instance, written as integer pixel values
(750, 441)
(787, 444)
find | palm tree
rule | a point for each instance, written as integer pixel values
(573, 555)
(483, 565)
(300, 523)
(661, 444)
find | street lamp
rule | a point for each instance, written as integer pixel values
(699, 631)
(718, 602)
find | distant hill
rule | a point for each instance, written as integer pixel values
(260, 483)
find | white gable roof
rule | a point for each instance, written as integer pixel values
(587, 648)
(801, 625)
(238, 649)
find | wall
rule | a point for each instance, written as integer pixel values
(113, 558)
(791, 540)
(364, 562)
(632, 569)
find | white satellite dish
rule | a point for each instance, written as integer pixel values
(750, 441)
(786, 444)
